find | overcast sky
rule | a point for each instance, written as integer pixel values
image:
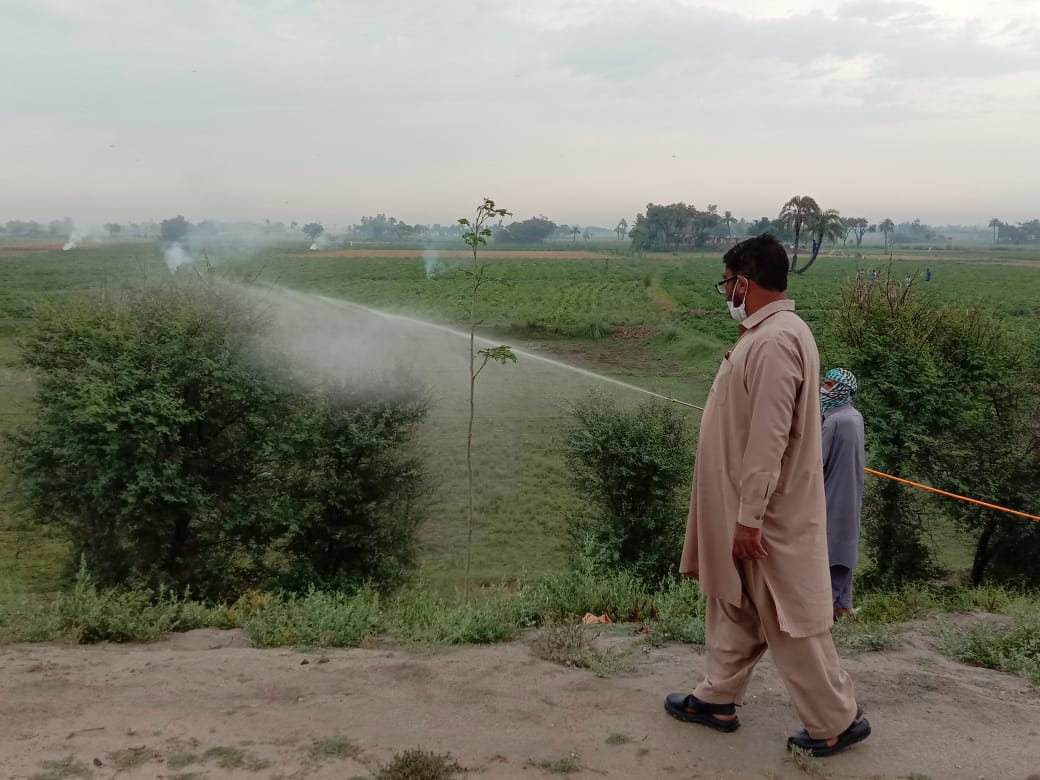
(581, 110)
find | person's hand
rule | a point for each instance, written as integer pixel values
(747, 543)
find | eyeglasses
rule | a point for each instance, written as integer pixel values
(720, 287)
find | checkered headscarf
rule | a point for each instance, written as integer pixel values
(845, 386)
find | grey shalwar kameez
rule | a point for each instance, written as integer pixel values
(843, 461)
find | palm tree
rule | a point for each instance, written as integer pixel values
(825, 224)
(621, 229)
(729, 219)
(575, 232)
(886, 227)
(797, 212)
(996, 225)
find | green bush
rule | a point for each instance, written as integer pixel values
(148, 417)
(560, 596)
(948, 395)
(173, 456)
(419, 616)
(353, 483)
(87, 614)
(315, 619)
(678, 613)
(633, 470)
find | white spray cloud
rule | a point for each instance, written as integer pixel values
(322, 242)
(436, 266)
(75, 239)
(175, 256)
(429, 258)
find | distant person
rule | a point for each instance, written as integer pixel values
(759, 553)
(928, 274)
(844, 456)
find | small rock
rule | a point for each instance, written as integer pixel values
(304, 662)
(97, 762)
(323, 660)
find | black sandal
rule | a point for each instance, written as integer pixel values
(689, 708)
(818, 748)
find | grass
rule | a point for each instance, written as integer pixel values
(234, 758)
(1014, 650)
(61, 769)
(559, 766)
(549, 305)
(130, 758)
(415, 616)
(560, 308)
(808, 764)
(181, 760)
(333, 748)
(618, 739)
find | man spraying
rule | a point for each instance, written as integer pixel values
(844, 456)
(756, 535)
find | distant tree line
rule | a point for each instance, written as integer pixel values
(800, 222)
(1022, 233)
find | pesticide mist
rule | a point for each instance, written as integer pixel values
(521, 410)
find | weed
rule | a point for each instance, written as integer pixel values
(568, 644)
(805, 761)
(418, 764)
(1015, 650)
(617, 739)
(130, 758)
(420, 616)
(317, 619)
(564, 644)
(181, 760)
(234, 758)
(333, 748)
(865, 636)
(61, 769)
(88, 614)
(561, 766)
(680, 614)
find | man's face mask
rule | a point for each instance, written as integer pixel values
(739, 313)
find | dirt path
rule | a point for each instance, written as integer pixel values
(183, 706)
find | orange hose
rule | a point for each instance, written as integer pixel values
(952, 495)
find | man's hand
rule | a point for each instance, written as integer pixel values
(747, 543)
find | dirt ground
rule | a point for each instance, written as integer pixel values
(206, 705)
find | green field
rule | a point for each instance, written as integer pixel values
(652, 321)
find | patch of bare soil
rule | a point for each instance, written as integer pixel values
(617, 352)
(459, 254)
(206, 705)
(634, 333)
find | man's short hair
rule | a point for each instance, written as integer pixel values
(762, 259)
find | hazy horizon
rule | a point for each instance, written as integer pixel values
(581, 110)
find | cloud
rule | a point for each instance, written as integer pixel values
(576, 108)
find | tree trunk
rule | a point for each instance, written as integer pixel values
(469, 430)
(982, 553)
(794, 257)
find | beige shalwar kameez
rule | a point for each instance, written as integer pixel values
(759, 463)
